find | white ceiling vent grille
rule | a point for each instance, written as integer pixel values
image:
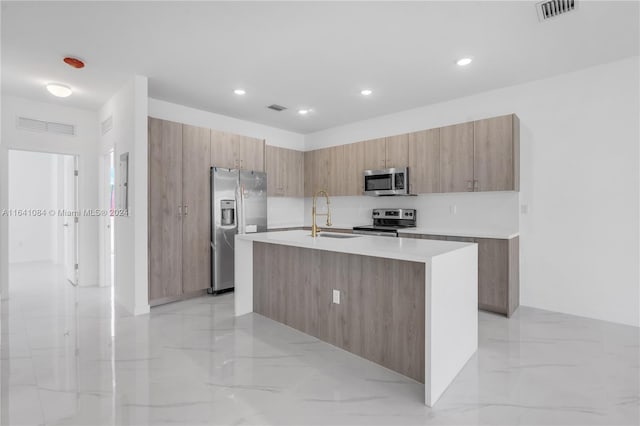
(107, 124)
(553, 8)
(276, 107)
(46, 126)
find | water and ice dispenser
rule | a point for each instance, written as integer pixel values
(228, 212)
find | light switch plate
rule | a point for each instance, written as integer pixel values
(453, 209)
(336, 296)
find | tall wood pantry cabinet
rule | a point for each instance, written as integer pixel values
(179, 224)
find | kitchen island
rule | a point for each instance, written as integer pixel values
(409, 305)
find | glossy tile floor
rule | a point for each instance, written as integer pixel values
(68, 359)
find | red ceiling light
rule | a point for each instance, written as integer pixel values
(74, 62)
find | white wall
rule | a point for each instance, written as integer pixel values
(32, 185)
(579, 180)
(128, 107)
(280, 211)
(84, 144)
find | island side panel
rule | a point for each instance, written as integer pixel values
(452, 317)
(381, 312)
(243, 277)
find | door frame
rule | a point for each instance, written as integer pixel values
(107, 224)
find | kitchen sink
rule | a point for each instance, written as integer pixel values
(339, 236)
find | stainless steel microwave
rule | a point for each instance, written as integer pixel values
(387, 182)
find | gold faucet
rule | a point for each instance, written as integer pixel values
(314, 228)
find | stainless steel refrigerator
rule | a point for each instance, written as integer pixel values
(238, 205)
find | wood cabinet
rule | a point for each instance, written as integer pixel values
(165, 209)
(496, 153)
(375, 154)
(179, 253)
(284, 169)
(397, 151)
(498, 271)
(354, 160)
(196, 222)
(236, 151)
(456, 158)
(424, 161)
(325, 169)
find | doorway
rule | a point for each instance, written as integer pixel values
(107, 204)
(43, 210)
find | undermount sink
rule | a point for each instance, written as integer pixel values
(338, 236)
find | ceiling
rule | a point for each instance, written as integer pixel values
(316, 55)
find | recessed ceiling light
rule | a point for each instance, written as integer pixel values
(366, 92)
(303, 111)
(464, 61)
(59, 90)
(239, 92)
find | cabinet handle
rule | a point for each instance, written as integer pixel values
(179, 211)
(186, 209)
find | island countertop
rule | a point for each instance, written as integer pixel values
(414, 250)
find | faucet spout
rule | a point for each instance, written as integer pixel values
(314, 227)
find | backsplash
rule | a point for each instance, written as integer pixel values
(481, 211)
(285, 212)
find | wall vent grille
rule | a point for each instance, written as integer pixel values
(277, 107)
(552, 8)
(107, 124)
(25, 123)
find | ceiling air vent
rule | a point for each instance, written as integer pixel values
(46, 126)
(277, 107)
(107, 124)
(552, 8)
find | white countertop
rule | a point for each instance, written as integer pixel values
(414, 250)
(501, 235)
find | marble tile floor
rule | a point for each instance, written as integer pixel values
(67, 358)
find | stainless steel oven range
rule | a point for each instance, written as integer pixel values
(387, 222)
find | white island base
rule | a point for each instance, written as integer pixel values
(450, 291)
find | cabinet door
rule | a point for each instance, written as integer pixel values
(223, 150)
(397, 151)
(494, 154)
(424, 161)
(375, 154)
(493, 274)
(456, 158)
(309, 173)
(165, 207)
(354, 167)
(321, 169)
(196, 222)
(274, 165)
(336, 171)
(251, 153)
(294, 173)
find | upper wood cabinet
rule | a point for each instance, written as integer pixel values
(497, 154)
(397, 151)
(456, 158)
(354, 161)
(424, 161)
(236, 151)
(375, 154)
(284, 169)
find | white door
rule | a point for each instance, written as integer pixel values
(70, 222)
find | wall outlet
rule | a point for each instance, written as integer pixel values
(453, 209)
(336, 296)
(524, 208)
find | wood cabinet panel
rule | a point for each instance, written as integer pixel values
(294, 173)
(309, 166)
(381, 314)
(424, 161)
(274, 165)
(284, 168)
(223, 150)
(375, 152)
(250, 153)
(456, 158)
(336, 166)
(494, 166)
(165, 205)
(196, 228)
(397, 151)
(354, 159)
(320, 168)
